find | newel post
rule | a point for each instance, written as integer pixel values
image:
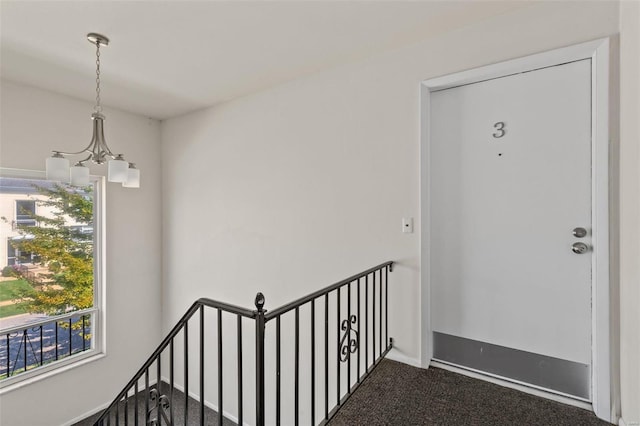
(259, 302)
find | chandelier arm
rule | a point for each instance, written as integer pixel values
(87, 149)
(81, 162)
(105, 149)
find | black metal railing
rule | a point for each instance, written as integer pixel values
(159, 402)
(366, 298)
(40, 343)
(340, 333)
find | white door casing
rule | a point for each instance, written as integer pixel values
(589, 341)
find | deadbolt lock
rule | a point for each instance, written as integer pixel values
(579, 232)
(579, 248)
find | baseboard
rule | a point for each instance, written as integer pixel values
(396, 355)
(97, 410)
(509, 384)
(87, 414)
(208, 404)
(621, 422)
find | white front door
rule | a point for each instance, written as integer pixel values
(510, 181)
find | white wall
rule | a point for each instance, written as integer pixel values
(33, 123)
(295, 187)
(630, 211)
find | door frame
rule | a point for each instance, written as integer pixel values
(598, 52)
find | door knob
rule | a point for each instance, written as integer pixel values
(579, 248)
(579, 232)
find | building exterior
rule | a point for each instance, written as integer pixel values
(19, 201)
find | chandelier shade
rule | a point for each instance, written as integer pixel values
(133, 177)
(58, 168)
(119, 170)
(79, 175)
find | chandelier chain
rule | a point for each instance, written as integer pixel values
(98, 107)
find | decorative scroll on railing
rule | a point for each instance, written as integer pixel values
(349, 342)
(342, 349)
(161, 405)
(30, 346)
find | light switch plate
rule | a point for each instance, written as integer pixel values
(407, 225)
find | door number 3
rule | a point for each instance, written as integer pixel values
(500, 129)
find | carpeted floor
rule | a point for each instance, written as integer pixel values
(398, 394)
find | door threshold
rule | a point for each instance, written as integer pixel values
(508, 383)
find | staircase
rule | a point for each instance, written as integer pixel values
(297, 364)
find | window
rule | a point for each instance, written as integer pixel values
(17, 257)
(51, 286)
(25, 213)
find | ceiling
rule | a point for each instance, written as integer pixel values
(167, 58)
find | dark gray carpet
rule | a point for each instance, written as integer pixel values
(210, 416)
(398, 394)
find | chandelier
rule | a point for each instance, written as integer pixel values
(119, 169)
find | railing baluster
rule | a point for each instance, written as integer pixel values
(126, 410)
(186, 373)
(297, 367)
(41, 346)
(159, 390)
(313, 362)
(326, 356)
(348, 339)
(70, 345)
(278, 371)
(366, 323)
(9, 356)
(359, 333)
(146, 397)
(118, 414)
(380, 318)
(57, 341)
(171, 382)
(201, 366)
(24, 336)
(338, 347)
(135, 404)
(386, 306)
(220, 376)
(240, 422)
(373, 318)
(84, 344)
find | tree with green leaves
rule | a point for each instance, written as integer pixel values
(64, 250)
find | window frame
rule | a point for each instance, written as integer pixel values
(18, 215)
(97, 312)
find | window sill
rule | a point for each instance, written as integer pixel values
(41, 373)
